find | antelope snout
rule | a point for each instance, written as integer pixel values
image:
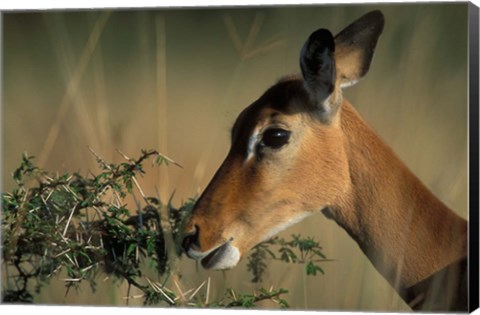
(191, 240)
(213, 252)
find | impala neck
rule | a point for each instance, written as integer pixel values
(406, 232)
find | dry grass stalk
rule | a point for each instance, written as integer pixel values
(72, 87)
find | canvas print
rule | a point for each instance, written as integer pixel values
(307, 157)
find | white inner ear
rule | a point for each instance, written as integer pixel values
(345, 84)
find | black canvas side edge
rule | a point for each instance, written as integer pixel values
(1, 137)
(473, 34)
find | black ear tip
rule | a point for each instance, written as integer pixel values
(377, 14)
(376, 17)
(323, 37)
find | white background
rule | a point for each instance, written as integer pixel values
(6, 5)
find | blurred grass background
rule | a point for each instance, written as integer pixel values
(175, 80)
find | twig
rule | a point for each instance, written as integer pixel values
(196, 291)
(182, 296)
(62, 253)
(140, 189)
(170, 160)
(72, 279)
(138, 296)
(99, 159)
(208, 291)
(128, 292)
(69, 219)
(157, 288)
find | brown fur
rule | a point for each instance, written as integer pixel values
(402, 227)
(338, 165)
(405, 231)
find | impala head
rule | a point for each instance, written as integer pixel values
(286, 159)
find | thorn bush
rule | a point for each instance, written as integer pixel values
(81, 225)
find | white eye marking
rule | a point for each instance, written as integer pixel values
(251, 145)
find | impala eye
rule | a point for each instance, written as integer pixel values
(275, 138)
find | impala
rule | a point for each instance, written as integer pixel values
(302, 148)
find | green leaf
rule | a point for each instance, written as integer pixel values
(319, 253)
(287, 255)
(131, 248)
(312, 269)
(103, 231)
(283, 303)
(127, 180)
(89, 260)
(150, 246)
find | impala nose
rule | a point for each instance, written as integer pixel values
(191, 238)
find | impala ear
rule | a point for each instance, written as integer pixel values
(327, 62)
(355, 45)
(317, 63)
